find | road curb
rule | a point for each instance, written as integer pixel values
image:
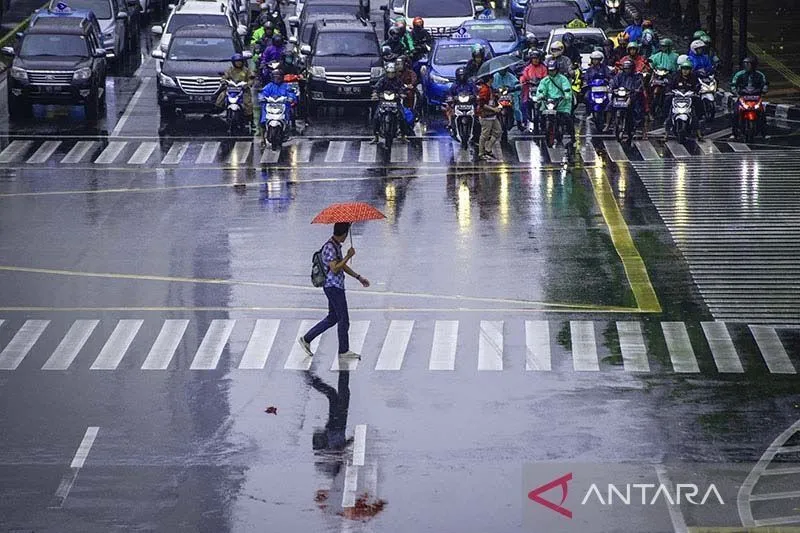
(780, 111)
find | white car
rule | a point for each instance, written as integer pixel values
(442, 17)
(586, 40)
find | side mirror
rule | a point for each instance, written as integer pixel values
(20, 35)
(293, 39)
(247, 54)
(9, 51)
(99, 52)
(305, 49)
(157, 54)
(398, 11)
(479, 8)
(122, 15)
(157, 30)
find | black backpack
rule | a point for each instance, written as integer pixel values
(319, 270)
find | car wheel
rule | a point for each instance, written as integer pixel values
(19, 107)
(92, 106)
(167, 112)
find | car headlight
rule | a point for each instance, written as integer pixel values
(317, 72)
(166, 81)
(82, 74)
(376, 72)
(439, 79)
(19, 74)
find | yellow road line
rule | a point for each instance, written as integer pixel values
(635, 270)
(35, 309)
(775, 63)
(19, 27)
(307, 288)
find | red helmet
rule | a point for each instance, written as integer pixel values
(418, 22)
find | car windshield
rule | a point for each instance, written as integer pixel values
(551, 15)
(201, 49)
(179, 21)
(54, 45)
(440, 8)
(308, 27)
(101, 8)
(452, 55)
(346, 44)
(492, 32)
(585, 43)
(322, 9)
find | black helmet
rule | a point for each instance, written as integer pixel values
(627, 64)
(538, 54)
(552, 66)
(277, 40)
(568, 39)
(751, 60)
(394, 32)
(608, 43)
(287, 57)
(531, 39)
(461, 74)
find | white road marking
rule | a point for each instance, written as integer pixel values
(739, 147)
(175, 153)
(772, 350)
(674, 509)
(461, 155)
(335, 151)
(537, 344)
(678, 150)
(615, 151)
(210, 350)
(399, 153)
(680, 348)
(44, 152)
(490, 345)
(524, 149)
(394, 345)
(588, 154)
(14, 151)
(358, 334)
(302, 152)
(117, 344)
(367, 152)
(269, 155)
(360, 444)
(70, 346)
(445, 341)
(631, 344)
(240, 153)
(143, 87)
(430, 151)
(163, 349)
(75, 467)
(708, 147)
(584, 346)
(110, 153)
(298, 359)
(556, 154)
(722, 348)
(22, 342)
(260, 344)
(208, 153)
(78, 152)
(143, 153)
(720, 134)
(350, 486)
(648, 151)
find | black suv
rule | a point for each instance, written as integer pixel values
(197, 57)
(343, 62)
(60, 60)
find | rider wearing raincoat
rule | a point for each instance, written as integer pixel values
(505, 78)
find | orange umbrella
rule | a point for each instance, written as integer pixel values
(347, 212)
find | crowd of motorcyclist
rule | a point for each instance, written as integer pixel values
(648, 68)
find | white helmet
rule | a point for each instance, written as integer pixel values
(597, 54)
(682, 58)
(557, 48)
(696, 45)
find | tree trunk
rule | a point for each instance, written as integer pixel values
(711, 23)
(726, 44)
(691, 20)
(742, 29)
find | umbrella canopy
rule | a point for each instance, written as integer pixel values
(347, 212)
(497, 64)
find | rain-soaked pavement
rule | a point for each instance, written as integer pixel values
(635, 313)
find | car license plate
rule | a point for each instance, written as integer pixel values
(51, 89)
(200, 98)
(349, 90)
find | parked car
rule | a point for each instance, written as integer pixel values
(586, 41)
(439, 72)
(543, 17)
(113, 18)
(500, 33)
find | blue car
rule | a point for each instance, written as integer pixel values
(500, 33)
(439, 72)
(516, 12)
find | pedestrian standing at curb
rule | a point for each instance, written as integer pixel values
(336, 267)
(491, 130)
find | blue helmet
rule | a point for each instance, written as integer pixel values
(237, 57)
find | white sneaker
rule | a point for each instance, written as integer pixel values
(306, 346)
(351, 354)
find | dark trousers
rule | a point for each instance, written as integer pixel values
(337, 315)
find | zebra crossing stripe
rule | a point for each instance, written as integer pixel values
(78, 152)
(588, 155)
(537, 343)
(358, 334)
(14, 151)
(490, 345)
(70, 346)
(679, 347)
(44, 152)
(394, 345)
(260, 343)
(163, 349)
(556, 154)
(117, 344)
(110, 152)
(708, 147)
(367, 152)
(208, 153)
(722, 349)
(301, 152)
(615, 151)
(210, 350)
(298, 359)
(772, 350)
(631, 344)
(430, 151)
(143, 153)
(584, 346)
(647, 150)
(240, 153)
(523, 151)
(335, 151)
(739, 147)
(678, 150)
(399, 153)
(460, 155)
(19, 346)
(175, 153)
(445, 341)
(269, 155)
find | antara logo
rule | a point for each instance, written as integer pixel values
(535, 495)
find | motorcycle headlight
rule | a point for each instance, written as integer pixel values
(317, 72)
(376, 72)
(439, 79)
(82, 74)
(166, 81)
(19, 74)
(612, 3)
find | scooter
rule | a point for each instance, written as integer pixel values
(506, 102)
(708, 91)
(389, 102)
(534, 113)
(464, 118)
(551, 125)
(234, 109)
(681, 114)
(750, 109)
(598, 98)
(613, 12)
(658, 84)
(274, 120)
(622, 109)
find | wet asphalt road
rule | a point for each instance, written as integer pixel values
(639, 307)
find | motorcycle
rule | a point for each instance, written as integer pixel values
(708, 91)
(275, 124)
(464, 118)
(551, 126)
(657, 86)
(622, 108)
(389, 102)
(506, 102)
(750, 109)
(534, 117)
(681, 114)
(598, 97)
(235, 116)
(613, 12)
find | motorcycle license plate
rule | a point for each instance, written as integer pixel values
(599, 89)
(349, 90)
(464, 108)
(200, 98)
(620, 103)
(549, 112)
(275, 109)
